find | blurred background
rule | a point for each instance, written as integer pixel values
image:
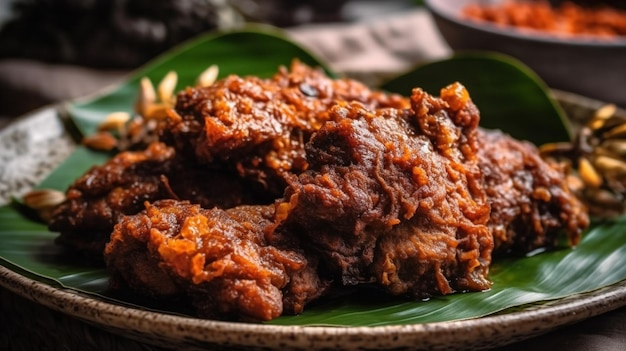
(55, 50)
(52, 50)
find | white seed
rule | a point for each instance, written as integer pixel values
(146, 90)
(167, 86)
(43, 198)
(606, 111)
(156, 111)
(614, 146)
(588, 173)
(103, 141)
(596, 123)
(146, 96)
(554, 148)
(208, 77)
(616, 132)
(601, 117)
(43, 201)
(114, 121)
(574, 183)
(610, 165)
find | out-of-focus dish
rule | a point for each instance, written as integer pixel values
(565, 20)
(583, 65)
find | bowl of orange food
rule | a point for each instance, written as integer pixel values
(574, 46)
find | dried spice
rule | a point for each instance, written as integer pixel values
(598, 155)
(122, 131)
(43, 201)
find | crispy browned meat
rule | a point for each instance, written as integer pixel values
(258, 127)
(98, 199)
(407, 194)
(220, 260)
(530, 202)
(236, 142)
(395, 197)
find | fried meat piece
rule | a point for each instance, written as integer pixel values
(98, 199)
(236, 142)
(221, 260)
(395, 198)
(531, 204)
(406, 194)
(257, 126)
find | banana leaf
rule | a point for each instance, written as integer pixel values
(600, 260)
(508, 94)
(256, 50)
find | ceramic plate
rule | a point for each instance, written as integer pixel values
(178, 332)
(35, 144)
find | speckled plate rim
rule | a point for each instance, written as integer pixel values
(174, 331)
(159, 328)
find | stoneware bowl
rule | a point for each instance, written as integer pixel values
(594, 68)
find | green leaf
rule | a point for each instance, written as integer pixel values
(27, 246)
(509, 95)
(600, 260)
(257, 50)
(77, 163)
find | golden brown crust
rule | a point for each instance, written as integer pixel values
(395, 198)
(406, 194)
(531, 205)
(218, 259)
(258, 127)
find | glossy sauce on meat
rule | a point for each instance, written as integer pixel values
(258, 127)
(395, 198)
(530, 202)
(260, 193)
(104, 194)
(219, 259)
